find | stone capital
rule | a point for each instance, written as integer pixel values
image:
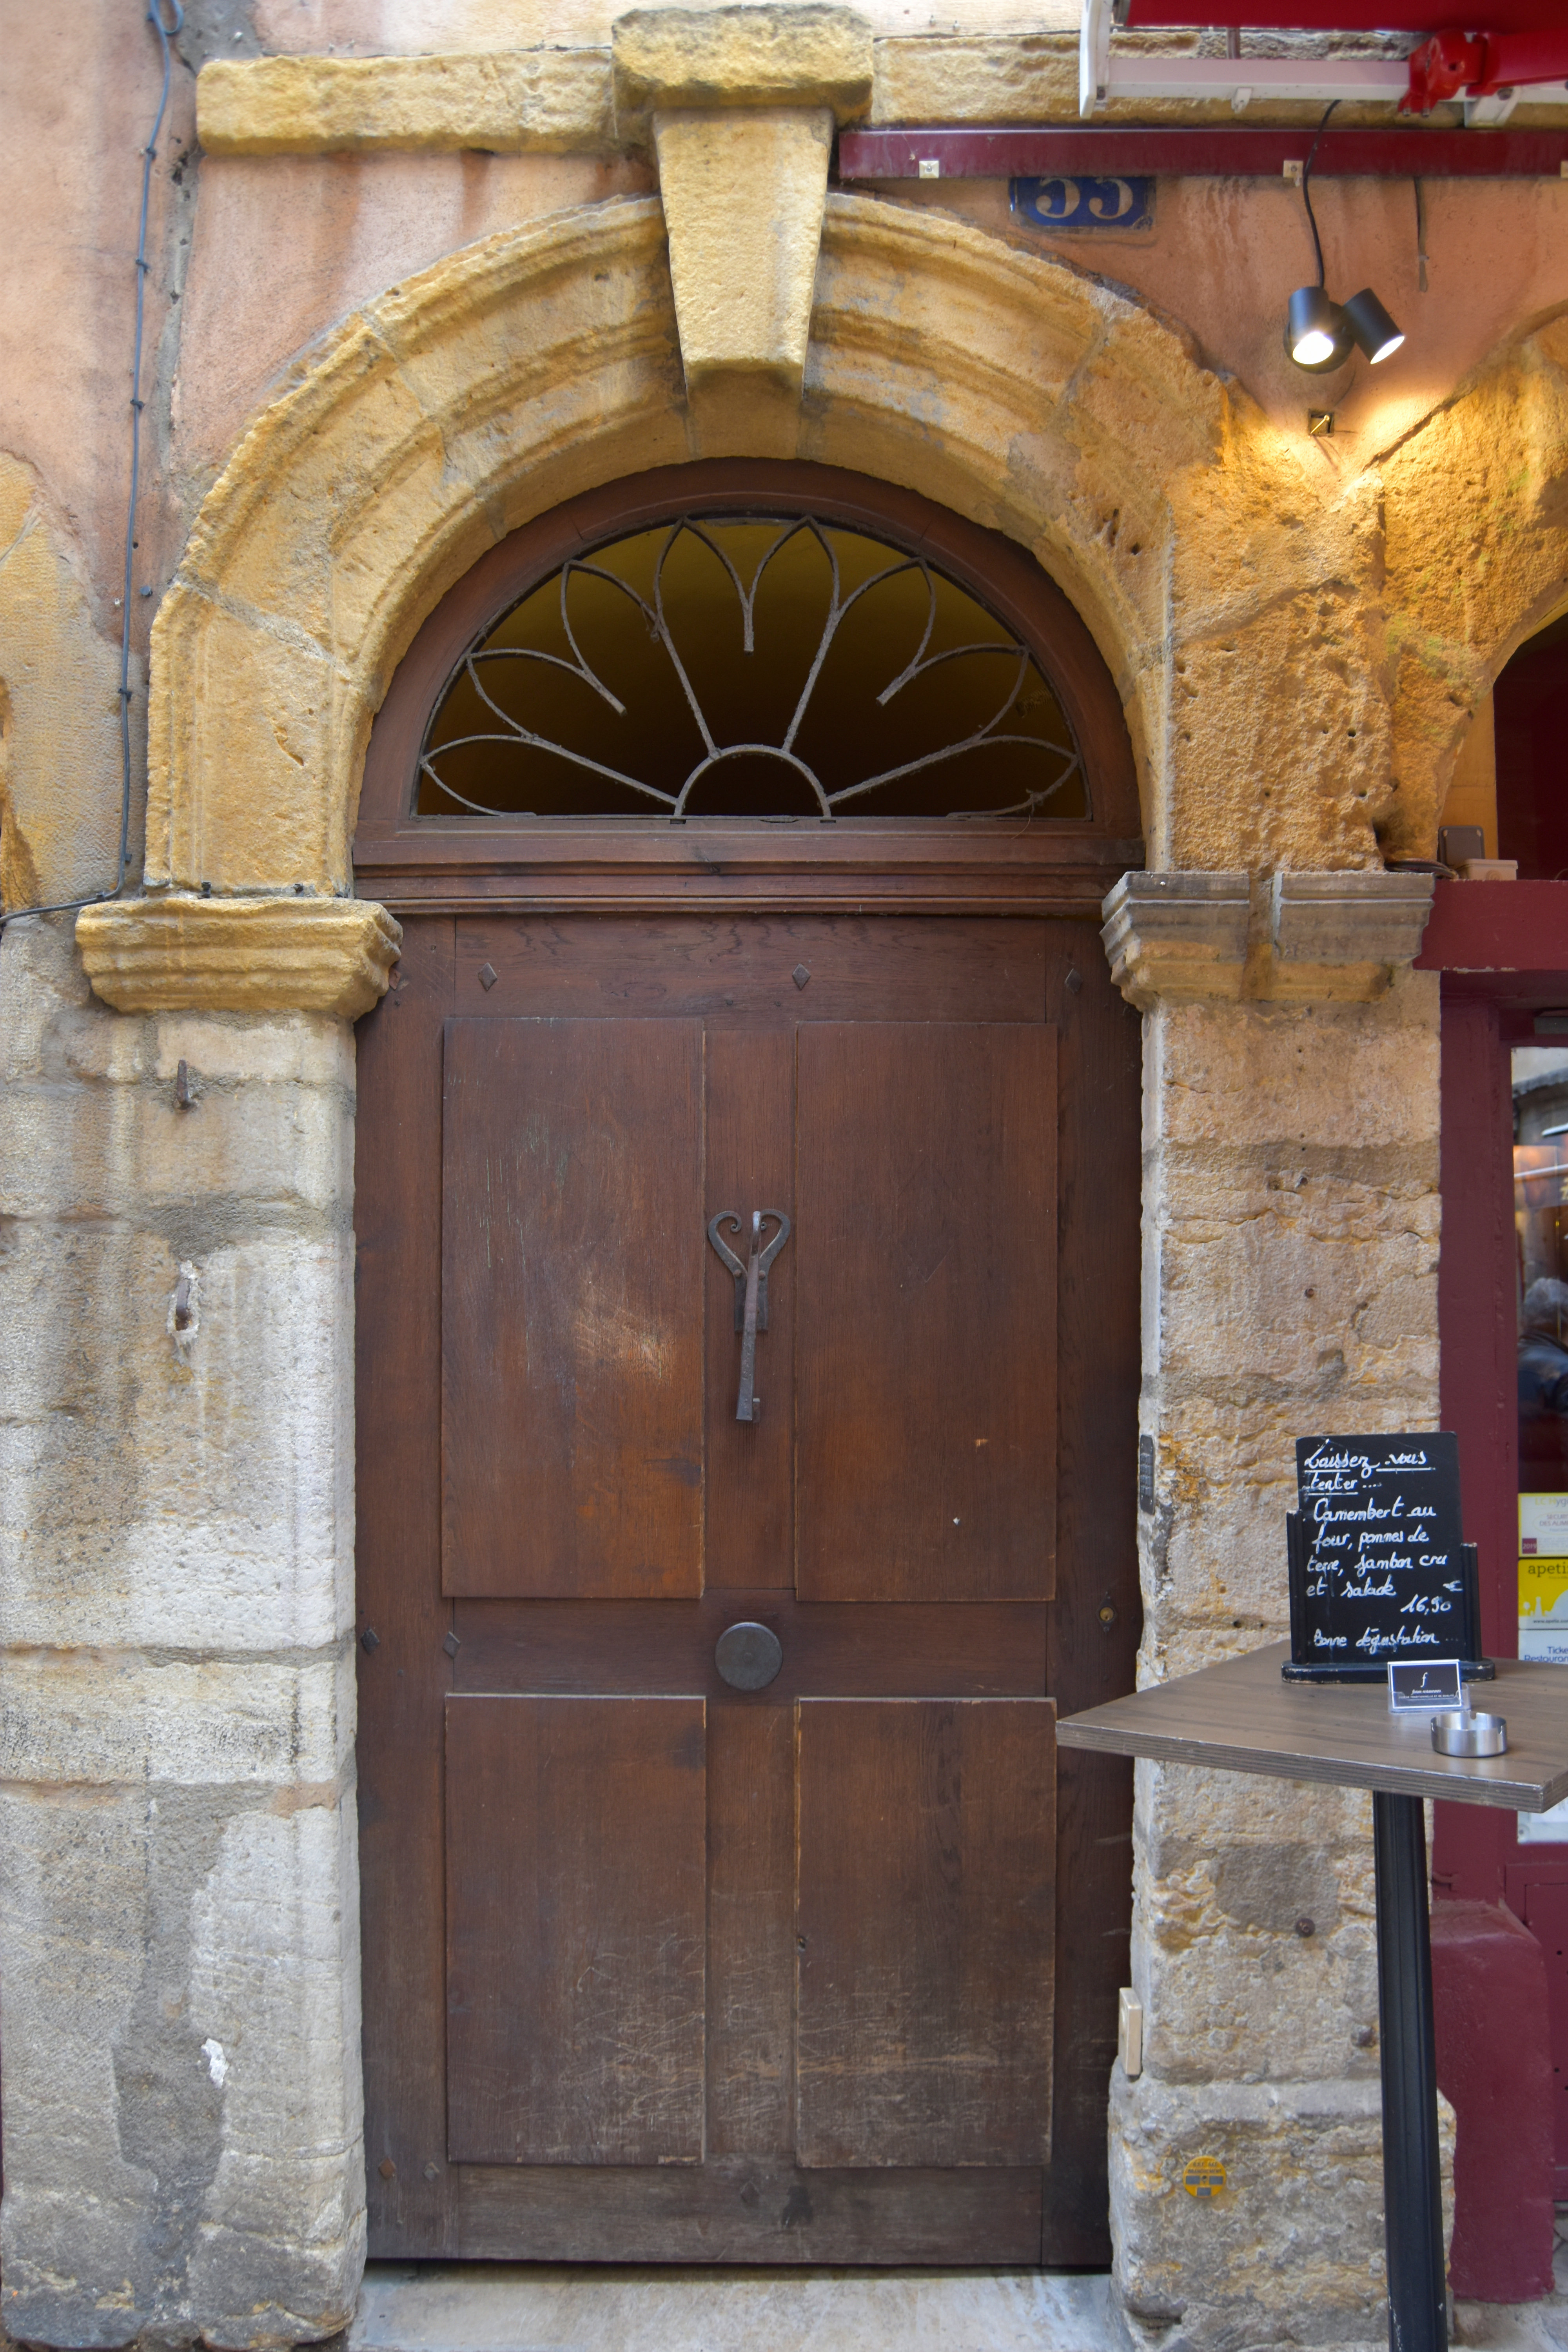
(185, 954)
(1182, 937)
(1191, 938)
(1349, 922)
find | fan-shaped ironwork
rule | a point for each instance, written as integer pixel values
(762, 666)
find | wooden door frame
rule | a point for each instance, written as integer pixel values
(441, 879)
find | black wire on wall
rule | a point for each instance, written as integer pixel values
(148, 154)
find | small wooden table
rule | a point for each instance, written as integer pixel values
(1243, 1718)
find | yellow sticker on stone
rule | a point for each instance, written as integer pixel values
(1204, 2177)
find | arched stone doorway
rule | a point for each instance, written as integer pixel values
(661, 1968)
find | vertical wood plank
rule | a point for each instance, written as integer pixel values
(403, 1677)
(572, 1322)
(925, 1926)
(751, 1930)
(750, 1537)
(576, 1841)
(926, 1288)
(1091, 1659)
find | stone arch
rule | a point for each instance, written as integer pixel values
(1297, 664)
(1477, 530)
(545, 360)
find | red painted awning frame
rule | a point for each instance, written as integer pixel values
(1028, 152)
(1351, 16)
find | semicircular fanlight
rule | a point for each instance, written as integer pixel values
(772, 666)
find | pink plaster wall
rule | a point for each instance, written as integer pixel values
(1224, 254)
(254, 260)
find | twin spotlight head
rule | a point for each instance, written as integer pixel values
(1321, 334)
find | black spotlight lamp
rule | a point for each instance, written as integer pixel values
(1371, 327)
(1317, 334)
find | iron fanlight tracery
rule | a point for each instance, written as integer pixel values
(760, 665)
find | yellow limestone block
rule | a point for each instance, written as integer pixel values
(750, 56)
(239, 955)
(546, 101)
(743, 197)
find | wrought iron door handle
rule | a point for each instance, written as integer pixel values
(750, 1291)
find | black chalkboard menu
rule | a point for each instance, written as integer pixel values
(1379, 1566)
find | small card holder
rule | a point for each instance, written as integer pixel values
(1425, 1685)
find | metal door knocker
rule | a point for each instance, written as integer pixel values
(751, 1293)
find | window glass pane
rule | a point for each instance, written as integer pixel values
(776, 667)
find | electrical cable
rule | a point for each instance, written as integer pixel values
(1307, 188)
(149, 153)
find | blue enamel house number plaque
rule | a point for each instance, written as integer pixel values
(1079, 203)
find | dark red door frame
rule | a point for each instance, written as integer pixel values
(1502, 950)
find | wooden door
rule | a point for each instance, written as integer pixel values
(659, 1968)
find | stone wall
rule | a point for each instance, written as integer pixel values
(179, 1911)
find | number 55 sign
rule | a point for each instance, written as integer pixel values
(1085, 204)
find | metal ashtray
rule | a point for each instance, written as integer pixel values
(1456, 1734)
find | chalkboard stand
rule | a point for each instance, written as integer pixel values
(1473, 1667)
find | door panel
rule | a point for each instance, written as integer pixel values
(926, 1281)
(924, 1928)
(576, 1832)
(854, 1649)
(750, 1137)
(729, 2104)
(751, 1930)
(742, 969)
(747, 2209)
(571, 1286)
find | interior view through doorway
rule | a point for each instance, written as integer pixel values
(747, 1299)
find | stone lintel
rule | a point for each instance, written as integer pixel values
(509, 102)
(1181, 937)
(185, 953)
(805, 55)
(556, 101)
(1190, 937)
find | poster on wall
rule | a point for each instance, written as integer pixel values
(1544, 1577)
(1543, 1622)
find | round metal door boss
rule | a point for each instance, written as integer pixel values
(748, 1656)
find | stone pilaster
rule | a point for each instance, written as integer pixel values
(1290, 1231)
(179, 1925)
